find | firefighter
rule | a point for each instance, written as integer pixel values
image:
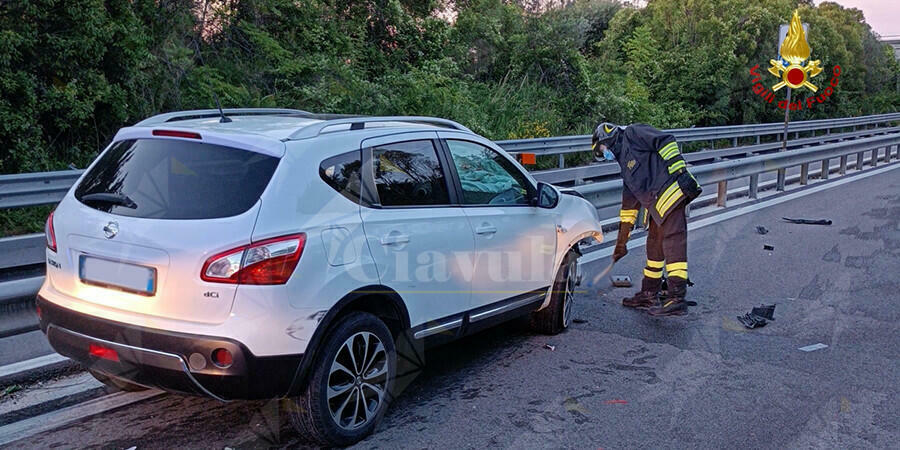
(655, 177)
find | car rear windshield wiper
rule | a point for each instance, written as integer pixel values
(108, 197)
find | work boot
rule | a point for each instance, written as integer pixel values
(647, 297)
(673, 304)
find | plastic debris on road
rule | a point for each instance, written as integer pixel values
(621, 281)
(813, 347)
(750, 321)
(768, 247)
(579, 321)
(808, 221)
(757, 316)
(764, 311)
(550, 347)
(761, 229)
(616, 402)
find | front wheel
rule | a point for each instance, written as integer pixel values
(350, 386)
(557, 316)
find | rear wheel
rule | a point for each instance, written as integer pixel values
(116, 383)
(350, 386)
(557, 316)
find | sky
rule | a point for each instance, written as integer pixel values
(882, 15)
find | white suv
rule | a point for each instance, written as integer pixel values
(277, 253)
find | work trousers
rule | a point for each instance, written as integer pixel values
(667, 248)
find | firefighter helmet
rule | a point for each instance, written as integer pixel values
(604, 134)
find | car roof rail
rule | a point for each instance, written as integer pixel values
(359, 123)
(207, 113)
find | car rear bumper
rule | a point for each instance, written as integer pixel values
(166, 360)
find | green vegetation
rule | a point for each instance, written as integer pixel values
(72, 72)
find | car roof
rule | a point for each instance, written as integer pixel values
(287, 125)
(275, 126)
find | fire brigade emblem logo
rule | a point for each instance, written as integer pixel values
(631, 164)
(794, 51)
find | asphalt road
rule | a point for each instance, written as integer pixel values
(623, 379)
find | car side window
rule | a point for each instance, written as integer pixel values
(487, 178)
(342, 173)
(409, 174)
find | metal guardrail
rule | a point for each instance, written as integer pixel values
(609, 193)
(602, 171)
(573, 144)
(33, 189)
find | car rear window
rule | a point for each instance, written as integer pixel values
(173, 179)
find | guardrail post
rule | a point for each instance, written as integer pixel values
(779, 183)
(722, 196)
(844, 165)
(828, 131)
(825, 169)
(874, 157)
(562, 161)
(753, 191)
(757, 139)
(804, 173)
(712, 144)
(734, 142)
(797, 135)
(859, 161)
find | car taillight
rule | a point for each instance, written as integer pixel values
(271, 261)
(103, 352)
(49, 233)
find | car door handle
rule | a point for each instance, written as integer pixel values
(395, 239)
(486, 229)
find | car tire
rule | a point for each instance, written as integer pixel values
(328, 421)
(557, 316)
(117, 383)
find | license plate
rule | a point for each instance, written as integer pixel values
(117, 275)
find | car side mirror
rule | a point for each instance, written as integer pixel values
(547, 196)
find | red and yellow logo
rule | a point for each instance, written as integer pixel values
(795, 69)
(794, 51)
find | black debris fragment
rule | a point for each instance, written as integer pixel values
(579, 321)
(764, 311)
(768, 247)
(757, 316)
(750, 321)
(808, 221)
(761, 229)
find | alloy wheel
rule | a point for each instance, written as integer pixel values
(357, 381)
(569, 294)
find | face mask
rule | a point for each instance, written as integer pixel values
(608, 155)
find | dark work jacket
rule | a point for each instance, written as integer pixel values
(651, 166)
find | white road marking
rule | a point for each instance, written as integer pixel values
(814, 347)
(740, 211)
(45, 422)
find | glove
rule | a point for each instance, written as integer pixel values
(622, 239)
